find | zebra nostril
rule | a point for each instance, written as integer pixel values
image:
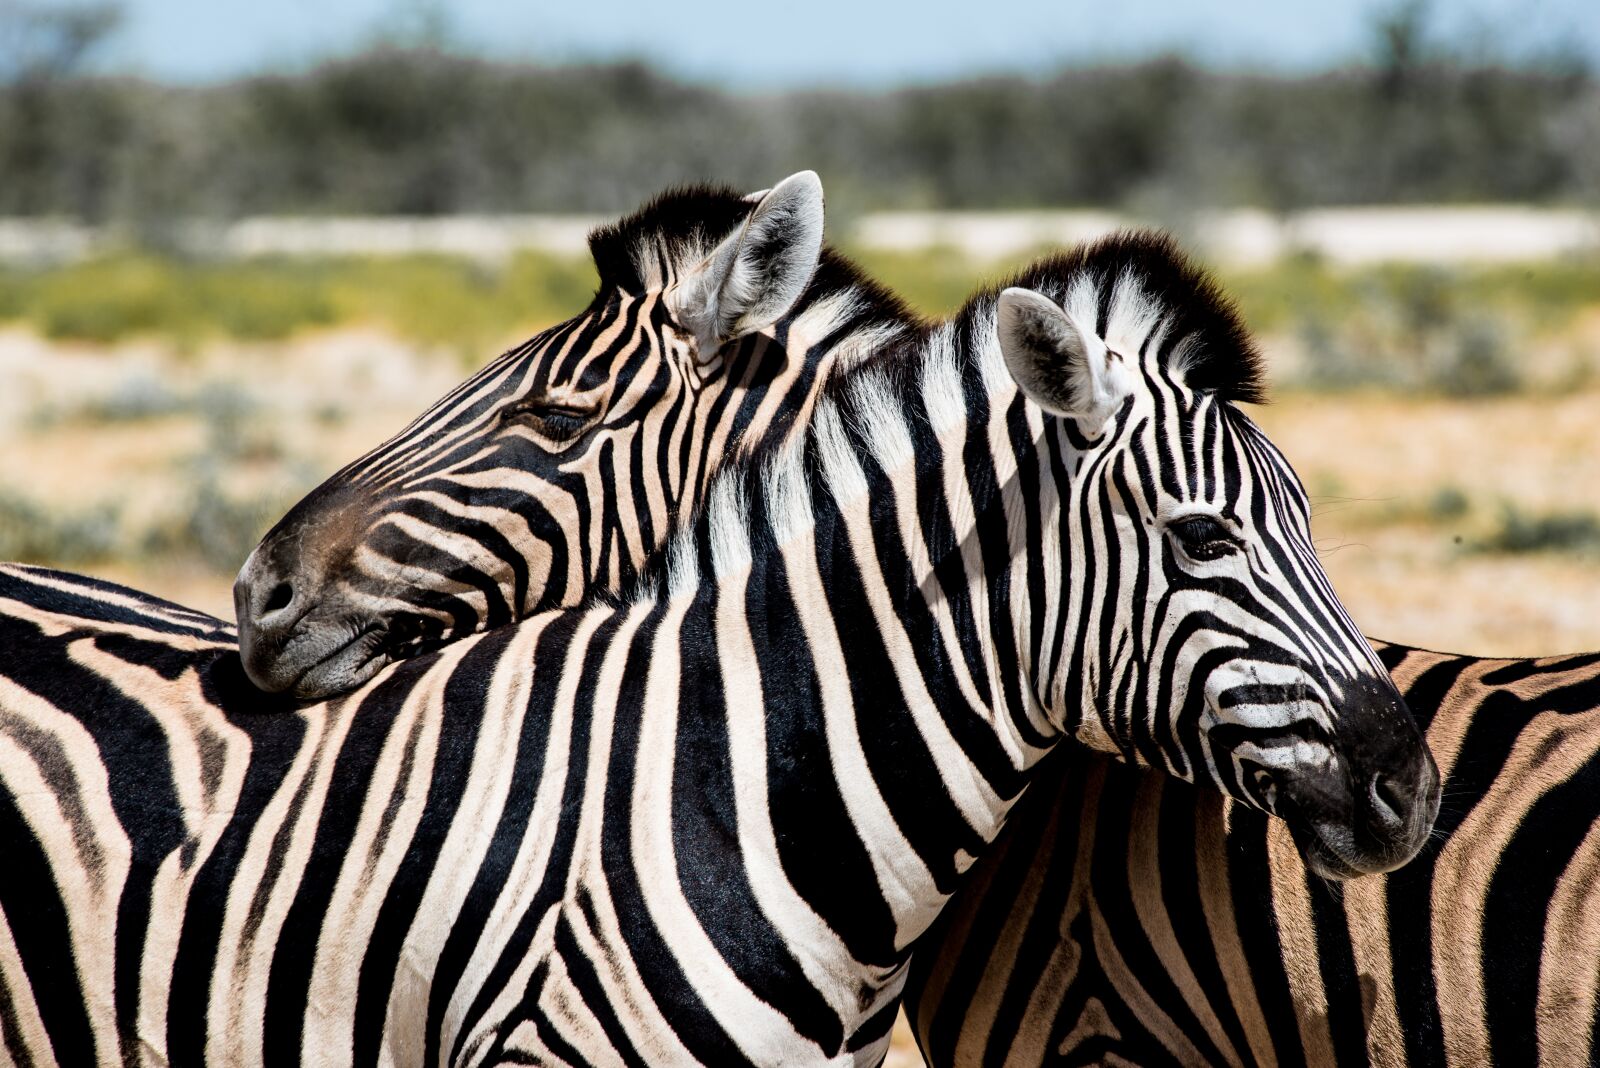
(1266, 789)
(280, 597)
(1389, 799)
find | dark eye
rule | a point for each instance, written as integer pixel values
(559, 422)
(1204, 538)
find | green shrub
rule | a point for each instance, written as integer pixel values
(541, 288)
(216, 528)
(1517, 532)
(107, 300)
(1477, 361)
(32, 534)
(1447, 331)
(260, 302)
(1448, 503)
(934, 282)
(437, 301)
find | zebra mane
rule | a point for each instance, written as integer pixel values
(1202, 335)
(861, 410)
(680, 226)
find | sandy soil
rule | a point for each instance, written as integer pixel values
(1374, 465)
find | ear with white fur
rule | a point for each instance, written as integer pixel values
(1057, 364)
(759, 271)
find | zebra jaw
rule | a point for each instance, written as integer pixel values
(1357, 830)
(343, 665)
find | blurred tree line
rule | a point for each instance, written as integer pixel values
(413, 126)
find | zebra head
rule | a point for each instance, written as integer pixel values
(1212, 645)
(561, 464)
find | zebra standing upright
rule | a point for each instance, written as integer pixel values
(1123, 917)
(708, 825)
(561, 465)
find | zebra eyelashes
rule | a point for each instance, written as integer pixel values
(1202, 538)
(554, 420)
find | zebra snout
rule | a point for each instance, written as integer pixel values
(269, 603)
(272, 605)
(265, 598)
(1401, 802)
(1390, 800)
(1370, 810)
(297, 637)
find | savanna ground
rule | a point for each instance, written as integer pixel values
(156, 416)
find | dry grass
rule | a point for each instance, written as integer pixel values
(1387, 476)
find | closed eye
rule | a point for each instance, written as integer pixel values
(556, 421)
(1203, 538)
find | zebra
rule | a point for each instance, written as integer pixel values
(755, 386)
(1126, 919)
(710, 824)
(563, 463)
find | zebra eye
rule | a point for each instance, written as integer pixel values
(1202, 538)
(559, 422)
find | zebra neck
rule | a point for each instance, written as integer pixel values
(833, 330)
(931, 495)
(755, 392)
(874, 576)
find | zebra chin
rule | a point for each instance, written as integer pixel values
(316, 661)
(1333, 853)
(1353, 779)
(1361, 816)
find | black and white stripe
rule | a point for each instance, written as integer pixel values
(711, 820)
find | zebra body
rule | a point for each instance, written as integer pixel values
(1123, 918)
(711, 822)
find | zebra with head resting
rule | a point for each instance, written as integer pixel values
(564, 462)
(661, 418)
(709, 825)
(1126, 919)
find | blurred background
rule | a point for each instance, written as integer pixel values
(239, 246)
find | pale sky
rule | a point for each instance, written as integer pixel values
(774, 43)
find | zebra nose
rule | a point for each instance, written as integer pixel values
(1390, 801)
(264, 600)
(1402, 803)
(280, 597)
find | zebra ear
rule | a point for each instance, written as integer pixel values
(757, 273)
(1057, 364)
